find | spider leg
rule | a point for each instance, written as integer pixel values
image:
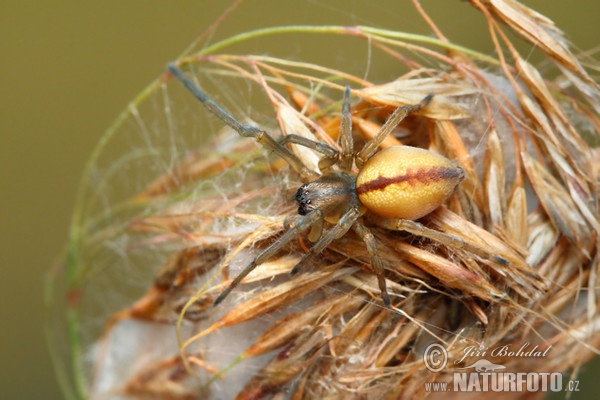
(419, 229)
(346, 140)
(244, 130)
(302, 224)
(397, 116)
(336, 232)
(330, 154)
(367, 236)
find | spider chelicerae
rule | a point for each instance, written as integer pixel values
(394, 186)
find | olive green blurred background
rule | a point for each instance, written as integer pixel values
(69, 67)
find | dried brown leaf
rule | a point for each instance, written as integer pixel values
(516, 215)
(558, 204)
(286, 329)
(448, 101)
(449, 273)
(539, 30)
(494, 181)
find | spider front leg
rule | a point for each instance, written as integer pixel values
(301, 225)
(330, 154)
(244, 130)
(336, 232)
(347, 221)
(346, 139)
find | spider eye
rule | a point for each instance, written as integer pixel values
(301, 194)
(302, 197)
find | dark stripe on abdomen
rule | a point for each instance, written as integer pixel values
(421, 176)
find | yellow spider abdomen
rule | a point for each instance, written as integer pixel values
(406, 182)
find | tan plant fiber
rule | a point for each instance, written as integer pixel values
(521, 271)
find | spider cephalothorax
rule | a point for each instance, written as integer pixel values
(399, 184)
(331, 194)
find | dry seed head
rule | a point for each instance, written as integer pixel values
(496, 265)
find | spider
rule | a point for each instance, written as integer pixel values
(395, 186)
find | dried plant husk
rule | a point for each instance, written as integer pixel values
(520, 272)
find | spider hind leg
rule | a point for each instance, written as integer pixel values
(418, 229)
(367, 236)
